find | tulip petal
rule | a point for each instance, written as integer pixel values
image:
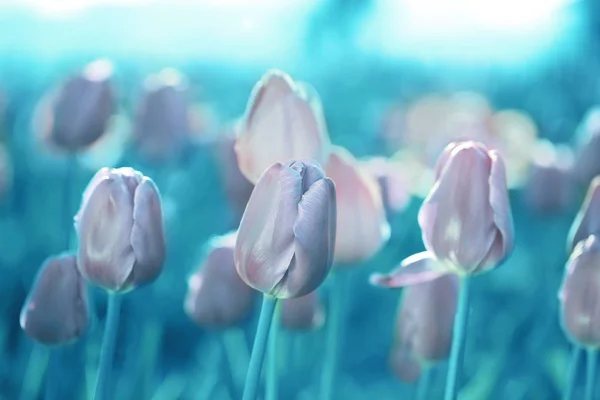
(104, 228)
(266, 237)
(416, 269)
(147, 235)
(314, 239)
(504, 240)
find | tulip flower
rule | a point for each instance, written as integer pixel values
(404, 365)
(362, 227)
(550, 186)
(587, 221)
(217, 297)
(302, 313)
(162, 123)
(285, 243)
(56, 310)
(283, 121)
(579, 297)
(79, 112)
(121, 246)
(120, 230)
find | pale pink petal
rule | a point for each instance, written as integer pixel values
(416, 269)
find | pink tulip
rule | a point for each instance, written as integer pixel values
(56, 310)
(302, 313)
(362, 228)
(162, 123)
(283, 121)
(466, 219)
(217, 297)
(587, 221)
(120, 230)
(550, 184)
(79, 112)
(580, 294)
(286, 237)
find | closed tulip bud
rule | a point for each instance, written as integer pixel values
(302, 313)
(120, 230)
(549, 187)
(283, 121)
(286, 237)
(580, 294)
(404, 365)
(162, 123)
(56, 310)
(587, 221)
(81, 109)
(466, 219)
(362, 227)
(217, 297)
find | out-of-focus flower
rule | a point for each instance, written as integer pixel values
(56, 310)
(6, 171)
(550, 184)
(120, 230)
(109, 149)
(404, 364)
(580, 294)
(587, 221)
(283, 121)
(237, 187)
(302, 313)
(286, 237)
(393, 127)
(392, 183)
(362, 228)
(78, 113)
(162, 123)
(587, 161)
(217, 297)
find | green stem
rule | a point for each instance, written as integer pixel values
(590, 375)
(272, 384)
(227, 368)
(259, 347)
(572, 379)
(107, 352)
(424, 383)
(333, 338)
(458, 340)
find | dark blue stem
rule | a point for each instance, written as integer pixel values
(107, 352)
(259, 347)
(458, 340)
(572, 379)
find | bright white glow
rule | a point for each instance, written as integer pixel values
(464, 29)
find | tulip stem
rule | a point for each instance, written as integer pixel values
(572, 379)
(259, 347)
(334, 330)
(68, 189)
(592, 361)
(272, 383)
(458, 340)
(424, 383)
(107, 351)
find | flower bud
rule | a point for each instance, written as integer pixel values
(162, 123)
(550, 187)
(362, 228)
(580, 294)
(302, 313)
(286, 237)
(79, 112)
(466, 219)
(120, 230)
(587, 221)
(283, 121)
(217, 297)
(56, 310)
